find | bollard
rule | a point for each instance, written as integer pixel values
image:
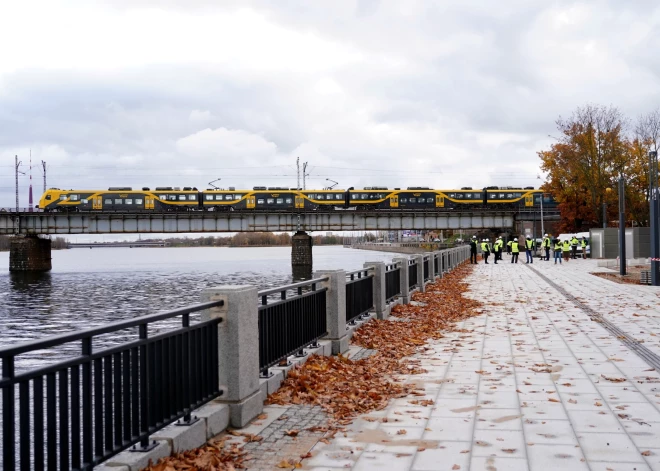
(420, 272)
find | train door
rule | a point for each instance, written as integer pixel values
(439, 201)
(97, 202)
(300, 202)
(149, 202)
(529, 200)
(251, 201)
(394, 201)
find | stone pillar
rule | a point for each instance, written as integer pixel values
(438, 256)
(403, 278)
(29, 253)
(301, 256)
(420, 272)
(380, 297)
(335, 309)
(431, 257)
(238, 350)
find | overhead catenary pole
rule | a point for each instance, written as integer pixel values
(17, 164)
(30, 202)
(43, 165)
(298, 172)
(654, 213)
(304, 174)
(622, 226)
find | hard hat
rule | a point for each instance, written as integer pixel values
(545, 235)
(474, 236)
(528, 237)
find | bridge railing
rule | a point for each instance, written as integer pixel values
(78, 412)
(427, 271)
(359, 294)
(291, 323)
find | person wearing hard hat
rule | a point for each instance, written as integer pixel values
(566, 248)
(499, 243)
(583, 244)
(546, 246)
(558, 246)
(473, 249)
(515, 250)
(574, 245)
(529, 245)
(485, 250)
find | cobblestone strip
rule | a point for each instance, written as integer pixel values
(644, 353)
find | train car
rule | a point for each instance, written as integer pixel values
(323, 199)
(259, 198)
(120, 199)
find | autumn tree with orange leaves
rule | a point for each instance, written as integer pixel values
(594, 149)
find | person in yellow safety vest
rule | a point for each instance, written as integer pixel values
(566, 248)
(546, 245)
(485, 249)
(529, 244)
(508, 247)
(515, 250)
(498, 251)
(557, 251)
(574, 245)
(584, 248)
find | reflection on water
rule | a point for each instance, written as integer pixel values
(89, 288)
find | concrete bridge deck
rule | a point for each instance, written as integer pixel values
(244, 221)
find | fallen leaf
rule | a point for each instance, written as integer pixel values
(291, 433)
(455, 467)
(401, 432)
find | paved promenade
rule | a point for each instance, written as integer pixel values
(556, 374)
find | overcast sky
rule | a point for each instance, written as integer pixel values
(435, 93)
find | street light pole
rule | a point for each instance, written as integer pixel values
(622, 227)
(653, 201)
(542, 228)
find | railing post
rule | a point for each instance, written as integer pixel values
(335, 309)
(380, 305)
(238, 350)
(420, 271)
(438, 256)
(431, 262)
(403, 278)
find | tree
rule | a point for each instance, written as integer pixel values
(590, 155)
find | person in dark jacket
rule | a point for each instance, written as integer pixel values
(473, 249)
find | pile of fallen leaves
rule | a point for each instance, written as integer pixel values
(214, 456)
(345, 388)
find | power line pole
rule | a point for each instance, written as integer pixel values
(304, 174)
(43, 164)
(655, 230)
(298, 172)
(16, 164)
(30, 202)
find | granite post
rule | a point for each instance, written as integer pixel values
(420, 272)
(403, 278)
(238, 350)
(380, 298)
(335, 308)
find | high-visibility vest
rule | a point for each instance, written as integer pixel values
(514, 247)
(567, 246)
(546, 242)
(558, 246)
(528, 244)
(574, 241)
(584, 243)
(484, 247)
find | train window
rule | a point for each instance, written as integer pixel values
(413, 200)
(403, 200)
(260, 201)
(280, 200)
(501, 196)
(289, 201)
(63, 198)
(138, 200)
(339, 196)
(430, 200)
(171, 197)
(182, 197)
(452, 195)
(320, 196)
(238, 197)
(270, 200)
(108, 201)
(192, 197)
(209, 197)
(163, 197)
(468, 196)
(48, 197)
(118, 201)
(355, 196)
(229, 197)
(84, 201)
(129, 201)
(364, 196)
(74, 197)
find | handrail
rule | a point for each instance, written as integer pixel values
(105, 329)
(301, 284)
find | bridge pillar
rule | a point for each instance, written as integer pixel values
(301, 256)
(29, 253)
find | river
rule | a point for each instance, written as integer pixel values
(91, 287)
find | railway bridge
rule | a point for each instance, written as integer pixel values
(31, 253)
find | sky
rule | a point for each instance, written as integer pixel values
(443, 94)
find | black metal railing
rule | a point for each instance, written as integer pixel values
(291, 323)
(427, 270)
(80, 411)
(359, 295)
(392, 282)
(412, 274)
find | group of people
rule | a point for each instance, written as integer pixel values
(566, 248)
